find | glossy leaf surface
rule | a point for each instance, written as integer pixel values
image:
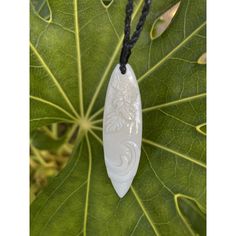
(72, 57)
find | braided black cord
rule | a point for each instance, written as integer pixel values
(128, 41)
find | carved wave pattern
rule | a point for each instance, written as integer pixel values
(128, 162)
(123, 108)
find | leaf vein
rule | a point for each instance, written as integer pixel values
(164, 59)
(50, 118)
(136, 225)
(144, 210)
(47, 69)
(175, 102)
(57, 187)
(76, 22)
(88, 186)
(176, 118)
(174, 152)
(53, 105)
(60, 205)
(157, 176)
(104, 76)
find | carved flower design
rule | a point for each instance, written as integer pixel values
(122, 110)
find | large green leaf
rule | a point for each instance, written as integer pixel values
(72, 57)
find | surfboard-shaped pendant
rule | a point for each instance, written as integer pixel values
(122, 129)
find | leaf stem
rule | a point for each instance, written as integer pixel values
(55, 130)
(69, 135)
(38, 156)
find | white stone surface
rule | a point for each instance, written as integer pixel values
(122, 129)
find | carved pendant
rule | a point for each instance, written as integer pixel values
(122, 129)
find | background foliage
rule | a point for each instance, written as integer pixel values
(75, 45)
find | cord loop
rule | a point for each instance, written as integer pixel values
(129, 42)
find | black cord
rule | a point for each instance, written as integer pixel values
(128, 42)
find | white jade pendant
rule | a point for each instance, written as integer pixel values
(122, 129)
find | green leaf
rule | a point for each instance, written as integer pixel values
(41, 140)
(192, 214)
(41, 6)
(72, 57)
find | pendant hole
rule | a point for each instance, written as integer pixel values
(43, 9)
(106, 3)
(202, 59)
(162, 23)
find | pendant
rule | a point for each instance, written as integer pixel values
(122, 129)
